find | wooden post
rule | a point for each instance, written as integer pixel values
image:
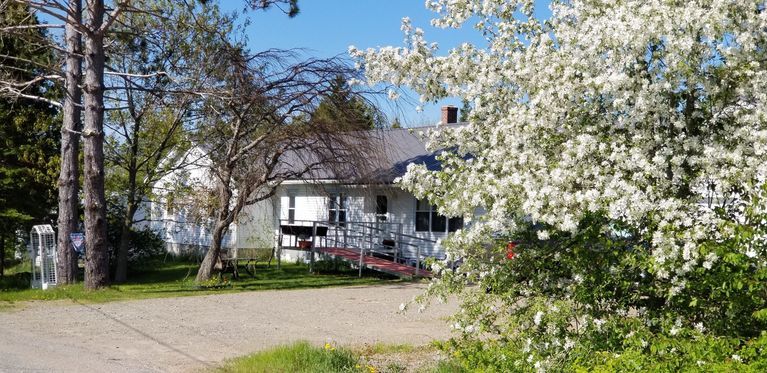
(311, 250)
(362, 252)
(399, 242)
(346, 236)
(417, 259)
(280, 237)
(336, 233)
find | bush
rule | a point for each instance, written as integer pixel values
(15, 281)
(143, 244)
(693, 352)
(332, 265)
(592, 301)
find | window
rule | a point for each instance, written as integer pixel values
(422, 216)
(382, 207)
(291, 209)
(337, 208)
(428, 220)
(454, 224)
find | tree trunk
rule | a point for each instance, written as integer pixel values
(211, 257)
(222, 224)
(121, 273)
(68, 215)
(97, 259)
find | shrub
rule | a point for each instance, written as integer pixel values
(592, 301)
(144, 244)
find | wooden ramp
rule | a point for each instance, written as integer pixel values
(374, 263)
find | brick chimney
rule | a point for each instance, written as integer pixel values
(449, 114)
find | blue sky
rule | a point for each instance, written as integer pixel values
(326, 28)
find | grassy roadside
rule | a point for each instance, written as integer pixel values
(303, 357)
(175, 279)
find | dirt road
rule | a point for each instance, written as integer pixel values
(192, 333)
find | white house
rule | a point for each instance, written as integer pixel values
(173, 212)
(361, 211)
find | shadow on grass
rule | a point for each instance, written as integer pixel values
(159, 279)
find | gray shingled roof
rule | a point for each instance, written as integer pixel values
(390, 152)
(402, 147)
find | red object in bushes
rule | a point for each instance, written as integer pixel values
(510, 249)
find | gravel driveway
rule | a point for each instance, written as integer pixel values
(192, 333)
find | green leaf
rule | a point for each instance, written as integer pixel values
(693, 302)
(761, 314)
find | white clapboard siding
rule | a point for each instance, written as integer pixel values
(311, 204)
(255, 226)
(402, 210)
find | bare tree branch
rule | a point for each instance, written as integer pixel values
(29, 27)
(11, 92)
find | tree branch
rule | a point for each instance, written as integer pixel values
(15, 93)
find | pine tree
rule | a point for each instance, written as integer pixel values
(465, 111)
(345, 109)
(28, 135)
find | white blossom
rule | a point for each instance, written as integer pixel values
(633, 156)
(598, 323)
(543, 235)
(594, 112)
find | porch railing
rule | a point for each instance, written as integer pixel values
(369, 238)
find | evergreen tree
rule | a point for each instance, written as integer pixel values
(346, 109)
(465, 111)
(28, 134)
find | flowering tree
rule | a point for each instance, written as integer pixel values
(624, 143)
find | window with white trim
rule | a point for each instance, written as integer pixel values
(427, 219)
(337, 206)
(291, 209)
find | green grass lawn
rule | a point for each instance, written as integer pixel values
(302, 357)
(175, 279)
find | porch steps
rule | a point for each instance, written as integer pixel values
(374, 263)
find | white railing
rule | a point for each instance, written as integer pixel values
(369, 238)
